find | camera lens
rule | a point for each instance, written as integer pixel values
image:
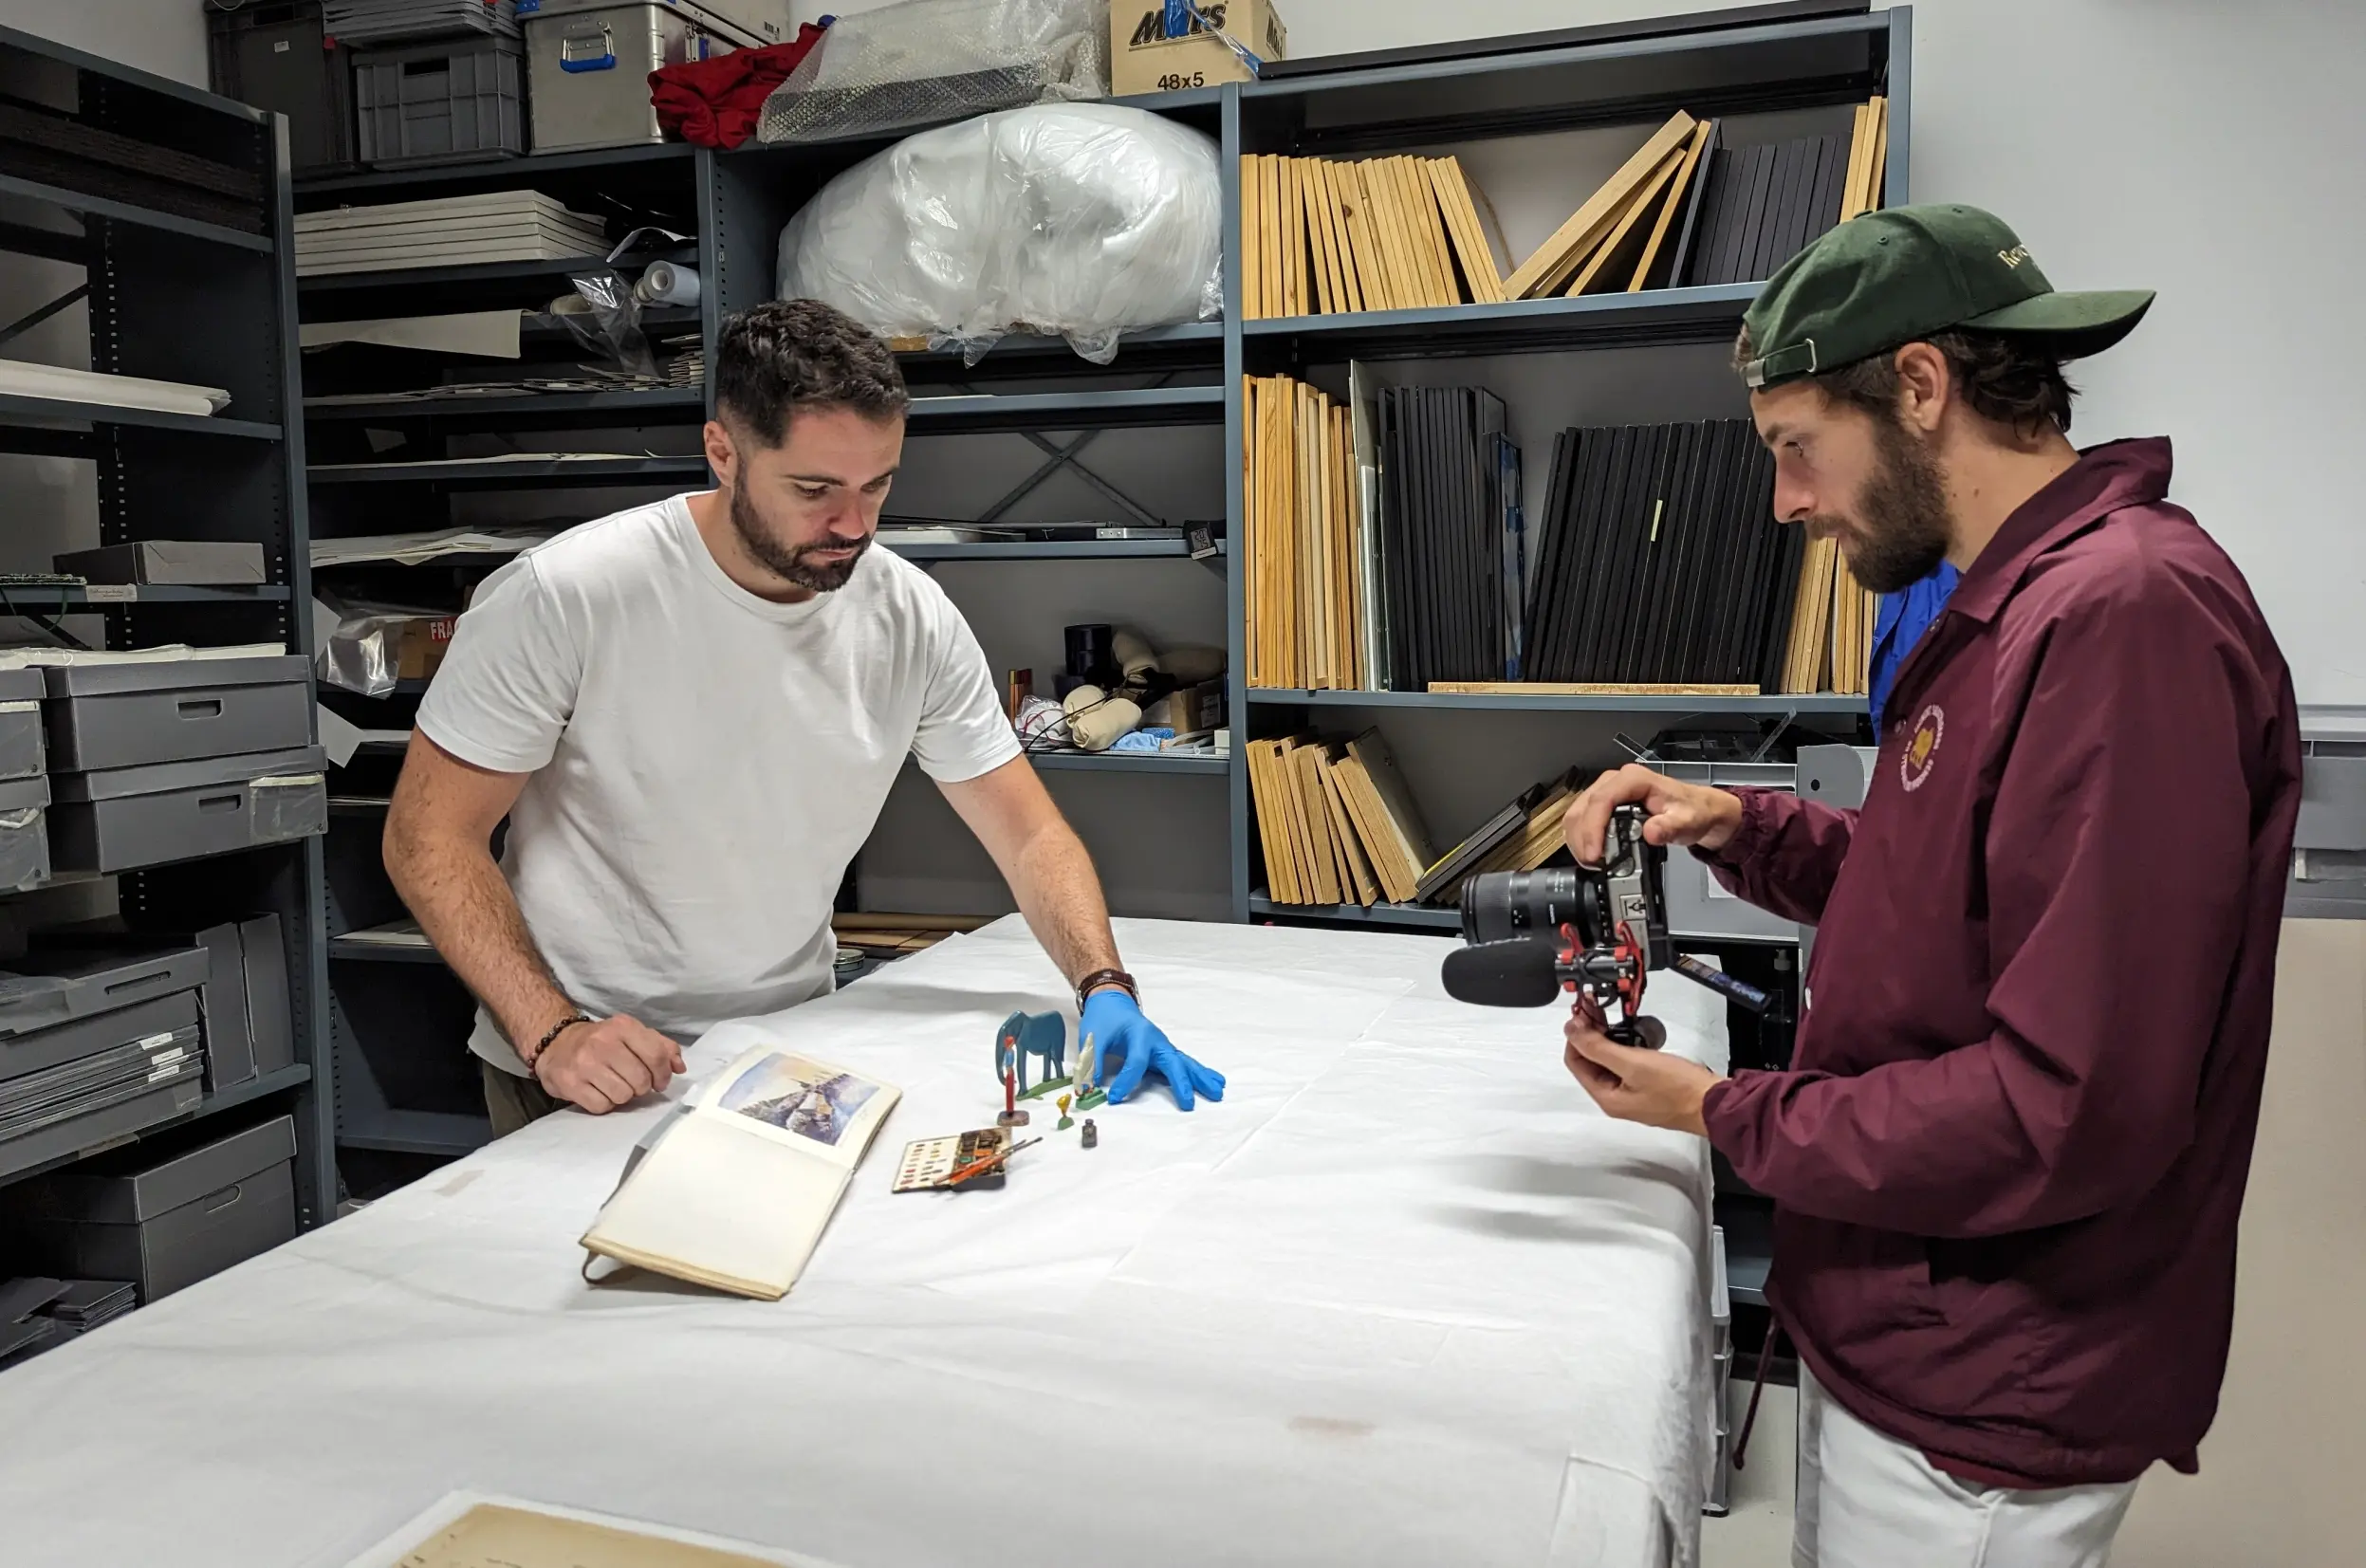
(1505, 904)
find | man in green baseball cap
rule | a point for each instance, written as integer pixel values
(2008, 1157)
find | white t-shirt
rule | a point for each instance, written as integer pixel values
(705, 762)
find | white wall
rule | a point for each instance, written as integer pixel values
(163, 36)
(2201, 148)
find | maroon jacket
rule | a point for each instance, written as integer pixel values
(2009, 1160)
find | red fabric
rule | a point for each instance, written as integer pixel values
(714, 103)
(2009, 1159)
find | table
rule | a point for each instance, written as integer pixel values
(1404, 1298)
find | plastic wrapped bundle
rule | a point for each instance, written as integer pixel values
(1079, 220)
(920, 61)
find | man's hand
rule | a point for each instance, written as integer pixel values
(1680, 813)
(601, 1066)
(1131, 1046)
(1632, 1083)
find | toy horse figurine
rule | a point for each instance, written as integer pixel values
(1042, 1036)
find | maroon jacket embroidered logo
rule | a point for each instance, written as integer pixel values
(2009, 1157)
(1914, 763)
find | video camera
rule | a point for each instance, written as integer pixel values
(1531, 935)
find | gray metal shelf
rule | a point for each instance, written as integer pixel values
(16, 409)
(1181, 334)
(1063, 550)
(103, 596)
(458, 276)
(1404, 916)
(344, 948)
(124, 211)
(1818, 702)
(1128, 762)
(417, 1133)
(1593, 321)
(521, 408)
(515, 172)
(1038, 411)
(513, 472)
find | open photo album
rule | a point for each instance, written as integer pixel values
(736, 1188)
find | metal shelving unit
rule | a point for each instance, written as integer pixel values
(177, 299)
(398, 1016)
(1025, 386)
(1778, 67)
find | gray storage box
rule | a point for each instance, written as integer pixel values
(195, 560)
(23, 833)
(129, 715)
(22, 754)
(43, 1049)
(230, 1038)
(587, 66)
(108, 1077)
(161, 1220)
(446, 102)
(269, 1021)
(57, 985)
(103, 1128)
(126, 818)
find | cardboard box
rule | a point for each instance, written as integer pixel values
(421, 644)
(192, 561)
(1142, 59)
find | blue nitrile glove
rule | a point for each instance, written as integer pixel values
(1130, 1047)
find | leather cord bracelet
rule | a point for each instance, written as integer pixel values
(556, 1030)
(1099, 978)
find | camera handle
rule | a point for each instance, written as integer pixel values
(1616, 974)
(1611, 975)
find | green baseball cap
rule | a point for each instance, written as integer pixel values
(1889, 278)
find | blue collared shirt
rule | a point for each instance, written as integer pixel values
(1902, 619)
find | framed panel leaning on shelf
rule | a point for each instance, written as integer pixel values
(184, 209)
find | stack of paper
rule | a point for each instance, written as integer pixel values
(496, 225)
(409, 549)
(353, 21)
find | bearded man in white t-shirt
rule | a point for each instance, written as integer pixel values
(690, 713)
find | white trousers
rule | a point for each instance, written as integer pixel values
(1868, 1500)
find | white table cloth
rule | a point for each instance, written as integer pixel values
(1405, 1297)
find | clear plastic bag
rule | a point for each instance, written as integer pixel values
(603, 315)
(920, 61)
(288, 805)
(364, 652)
(1079, 220)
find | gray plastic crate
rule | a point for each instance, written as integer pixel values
(453, 101)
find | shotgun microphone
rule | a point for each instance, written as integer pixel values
(1521, 972)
